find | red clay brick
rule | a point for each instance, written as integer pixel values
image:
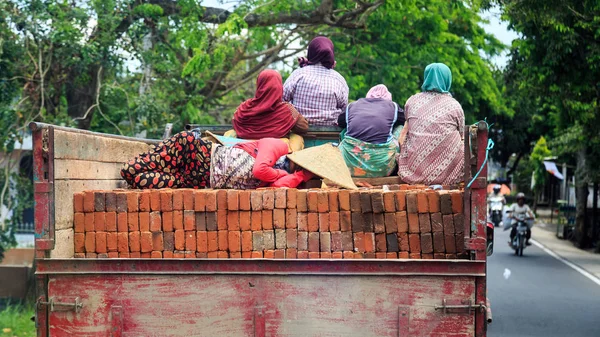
(244, 220)
(313, 242)
(235, 255)
(244, 201)
(190, 240)
(91, 255)
(110, 201)
(111, 241)
(78, 202)
(313, 222)
(403, 243)
(344, 200)
(302, 222)
(121, 222)
(427, 256)
(291, 253)
(212, 241)
(256, 255)
(223, 240)
(392, 242)
(121, 201)
(221, 200)
(291, 218)
(358, 255)
(268, 199)
(414, 243)
(459, 242)
(369, 221)
(365, 202)
(369, 242)
(403, 255)
(279, 218)
(411, 202)
(377, 202)
(439, 256)
(459, 223)
(445, 203)
(233, 220)
(99, 201)
(110, 220)
(358, 222)
(188, 199)
(334, 221)
(426, 243)
(413, 223)
(246, 238)
(222, 219)
(424, 223)
(178, 199)
(301, 201)
(448, 221)
(256, 200)
(154, 200)
(451, 256)
(79, 239)
(369, 255)
(113, 255)
(438, 242)
(280, 198)
(258, 243)
(302, 240)
(156, 255)
(222, 254)
(336, 255)
(292, 198)
(414, 255)
(134, 255)
(279, 254)
(99, 221)
(345, 221)
(325, 255)
(200, 220)
(347, 241)
(233, 200)
(144, 221)
(256, 220)
(393, 255)
(167, 254)
(133, 222)
(280, 239)
(202, 241)
(134, 242)
(359, 242)
(133, 202)
(269, 254)
(246, 255)
(391, 222)
(401, 200)
(436, 223)
(348, 254)
(169, 241)
(303, 254)
(334, 202)
(312, 199)
(210, 200)
(212, 255)
(166, 200)
(450, 243)
(123, 242)
(199, 201)
(380, 243)
(181, 255)
(291, 238)
(457, 201)
(336, 241)
(267, 219)
(433, 199)
(314, 255)
(380, 219)
(158, 243)
(323, 222)
(389, 201)
(325, 241)
(146, 242)
(179, 239)
(422, 202)
(79, 222)
(354, 201)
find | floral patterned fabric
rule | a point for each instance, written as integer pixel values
(367, 160)
(232, 168)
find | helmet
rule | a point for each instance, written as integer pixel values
(520, 195)
(497, 188)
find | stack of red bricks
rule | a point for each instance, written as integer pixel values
(407, 222)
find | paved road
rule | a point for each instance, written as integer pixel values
(542, 296)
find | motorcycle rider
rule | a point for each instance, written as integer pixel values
(496, 194)
(520, 210)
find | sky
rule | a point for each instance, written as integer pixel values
(500, 29)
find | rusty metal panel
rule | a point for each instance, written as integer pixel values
(233, 305)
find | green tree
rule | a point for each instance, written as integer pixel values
(536, 160)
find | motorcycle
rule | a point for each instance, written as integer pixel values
(518, 243)
(496, 206)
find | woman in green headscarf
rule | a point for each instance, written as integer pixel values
(432, 150)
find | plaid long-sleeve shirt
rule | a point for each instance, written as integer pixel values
(318, 93)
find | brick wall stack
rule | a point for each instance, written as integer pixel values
(407, 222)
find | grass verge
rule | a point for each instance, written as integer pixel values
(15, 320)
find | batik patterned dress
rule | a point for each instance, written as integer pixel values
(182, 161)
(433, 152)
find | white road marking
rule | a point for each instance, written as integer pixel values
(567, 262)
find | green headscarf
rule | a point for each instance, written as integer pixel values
(438, 77)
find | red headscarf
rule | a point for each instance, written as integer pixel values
(320, 50)
(265, 115)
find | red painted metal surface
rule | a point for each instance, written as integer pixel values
(143, 297)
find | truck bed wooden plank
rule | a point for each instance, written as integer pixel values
(224, 305)
(71, 169)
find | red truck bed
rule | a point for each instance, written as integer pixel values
(237, 297)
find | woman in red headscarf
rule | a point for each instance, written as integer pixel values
(266, 115)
